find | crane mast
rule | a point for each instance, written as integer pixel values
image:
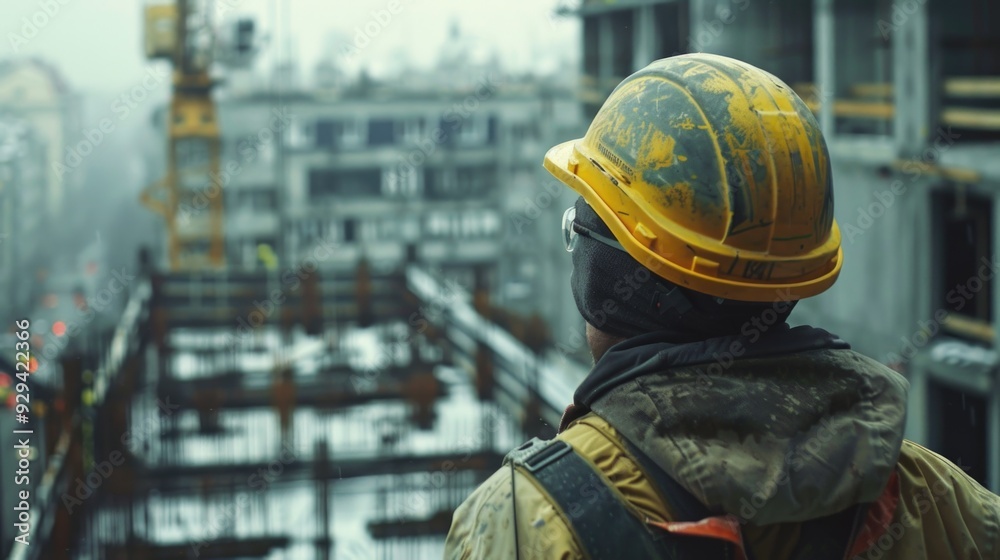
(189, 197)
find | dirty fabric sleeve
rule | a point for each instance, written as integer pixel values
(483, 526)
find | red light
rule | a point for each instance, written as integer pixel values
(58, 328)
(32, 365)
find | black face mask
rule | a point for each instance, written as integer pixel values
(618, 295)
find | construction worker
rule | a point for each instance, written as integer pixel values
(708, 427)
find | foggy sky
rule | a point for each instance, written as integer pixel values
(97, 44)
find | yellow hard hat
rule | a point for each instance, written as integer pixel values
(714, 175)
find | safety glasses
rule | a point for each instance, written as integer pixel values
(572, 232)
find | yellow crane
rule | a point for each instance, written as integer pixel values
(190, 198)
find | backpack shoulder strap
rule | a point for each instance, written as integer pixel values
(603, 525)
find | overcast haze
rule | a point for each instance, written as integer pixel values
(97, 44)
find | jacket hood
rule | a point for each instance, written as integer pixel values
(788, 426)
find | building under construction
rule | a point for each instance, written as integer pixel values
(341, 335)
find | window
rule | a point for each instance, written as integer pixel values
(311, 231)
(863, 101)
(460, 182)
(525, 132)
(350, 230)
(251, 201)
(381, 132)
(251, 148)
(402, 181)
(964, 234)
(327, 184)
(411, 130)
(462, 225)
(339, 134)
(326, 133)
(352, 135)
(393, 229)
(473, 131)
(969, 62)
(959, 429)
(298, 134)
(671, 21)
(622, 30)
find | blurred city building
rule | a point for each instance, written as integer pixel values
(23, 172)
(444, 172)
(374, 333)
(451, 176)
(908, 95)
(34, 91)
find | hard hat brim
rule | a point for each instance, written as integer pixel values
(563, 162)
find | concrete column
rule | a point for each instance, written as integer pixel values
(916, 413)
(825, 80)
(922, 266)
(911, 81)
(644, 47)
(698, 15)
(993, 397)
(605, 51)
(993, 436)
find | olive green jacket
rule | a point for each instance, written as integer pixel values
(771, 442)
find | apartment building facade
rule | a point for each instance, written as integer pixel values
(448, 176)
(34, 91)
(23, 159)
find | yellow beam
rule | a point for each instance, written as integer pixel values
(972, 328)
(877, 90)
(973, 86)
(857, 109)
(955, 174)
(984, 119)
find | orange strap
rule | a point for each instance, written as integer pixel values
(727, 527)
(880, 515)
(723, 527)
